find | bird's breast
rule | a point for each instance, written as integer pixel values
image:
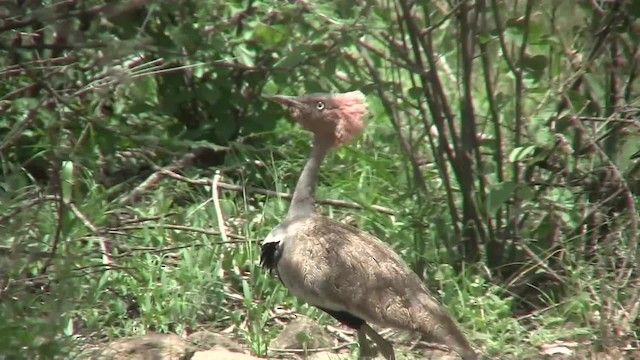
(304, 270)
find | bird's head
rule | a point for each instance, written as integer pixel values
(335, 117)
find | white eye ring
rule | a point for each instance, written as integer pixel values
(320, 105)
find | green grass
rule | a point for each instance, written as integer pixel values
(553, 152)
(168, 280)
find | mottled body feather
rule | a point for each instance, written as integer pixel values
(341, 268)
(353, 276)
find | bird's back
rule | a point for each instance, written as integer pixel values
(339, 267)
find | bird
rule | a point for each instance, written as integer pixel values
(346, 272)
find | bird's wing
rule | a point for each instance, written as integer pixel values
(366, 277)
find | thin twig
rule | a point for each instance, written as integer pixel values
(154, 179)
(312, 350)
(104, 248)
(287, 196)
(445, 18)
(153, 250)
(29, 205)
(178, 227)
(170, 171)
(145, 219)
(60, 213)
(24, 125)
(534, 265)
(216, 205)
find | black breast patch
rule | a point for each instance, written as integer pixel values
(346, 318)
(270, 255)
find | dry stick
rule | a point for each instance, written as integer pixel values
(390, 109)
(493, 108)
(609, 119)
(571, 83)
(30, 204)
(541, 263)
(154, 179)
(152, 250)
(17, 131)
(60, 213)
(287, 196)
(312, 350)
(166, 172)
(396, 122)
(577, 77)
(468, 118)
(633, 239)
(106, 254)
(417, 42)
(520, 88)
(181, 228)
(445, 17)
(408, 65)
(617, 99)
(441, 110)
(53, 15)
(216, 205)
(40, 63)
(145, 219)
(406, 145)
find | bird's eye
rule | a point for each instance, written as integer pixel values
(320, 105)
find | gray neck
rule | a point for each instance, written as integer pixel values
(303, 202)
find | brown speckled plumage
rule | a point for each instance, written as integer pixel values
(349, 273)
(358, 273)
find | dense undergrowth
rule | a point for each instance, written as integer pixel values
(501, 162)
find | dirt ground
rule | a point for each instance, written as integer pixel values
(305, 339)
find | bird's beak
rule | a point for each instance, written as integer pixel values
(284, 100)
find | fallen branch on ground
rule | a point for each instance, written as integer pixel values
(255, 190)
(170, 171)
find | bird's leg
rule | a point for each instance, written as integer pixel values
(384, 346)
(366, 351)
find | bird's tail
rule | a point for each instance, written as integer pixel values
(438, 326)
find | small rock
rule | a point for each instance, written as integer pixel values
(328, 355)
(150, 346)
(300, 334)
(206, 340)
(221, 354)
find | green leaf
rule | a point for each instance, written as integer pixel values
(499, 194)
(521, 153)
(225, 128)
(486, 38)
(208, 92)
(535, 63)
(628, 150)
(246, 291)
(534, 67)
(270, 36)
(330, 66)
(102, 283)
(243, 55)
(524, 192)
(577, 100)
(314, 86)
(293, 58)
(187, 37)
(416, 92)
(68, 329)
(66, 179)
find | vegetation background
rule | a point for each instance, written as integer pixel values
(141, 164)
